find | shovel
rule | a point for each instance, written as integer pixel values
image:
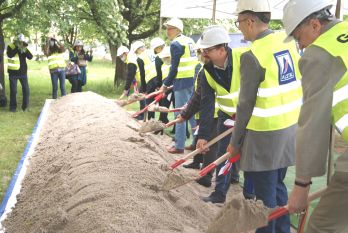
(174, 181)
(158, 97)
(163, 109)
(197, 151)
(153, 125)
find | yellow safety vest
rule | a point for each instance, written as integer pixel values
(56, 60)
(335, 42)
(13, 63)
(188, 60)
(149, 66)
(228, 100)
(165, 71)
(197, 115)
(132, 59)
(279, 97)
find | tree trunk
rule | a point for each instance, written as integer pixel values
(120, 72)
(3, 100)
(113, 52)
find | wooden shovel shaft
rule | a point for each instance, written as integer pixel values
(173, 122)
(281, 211)
(197, 151)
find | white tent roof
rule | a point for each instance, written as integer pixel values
(224, 8)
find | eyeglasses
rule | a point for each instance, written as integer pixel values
(236, 23)
(207, 50)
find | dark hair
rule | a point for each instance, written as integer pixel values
(264, 17)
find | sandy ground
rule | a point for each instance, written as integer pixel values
(93, 172)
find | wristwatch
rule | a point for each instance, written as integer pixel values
(301, 184)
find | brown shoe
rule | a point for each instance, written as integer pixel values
(190, 147)
(173, 150)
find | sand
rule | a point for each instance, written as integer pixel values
(136, 97)
(156, 108)
(92, 172)
(151, 126)
(240, 215)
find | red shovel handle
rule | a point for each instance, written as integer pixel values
(207, 169)
(177, 163)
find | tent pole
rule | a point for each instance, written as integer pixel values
(214, 11)
(160, 26)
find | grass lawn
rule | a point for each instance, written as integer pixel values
(16, 128)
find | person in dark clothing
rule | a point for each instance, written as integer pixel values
(17, 53)
(80, 57)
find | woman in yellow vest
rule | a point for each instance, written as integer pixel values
(56, 65)
(17, 53)
(80, 57)
(324, 69)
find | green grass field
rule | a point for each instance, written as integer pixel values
(16, 128)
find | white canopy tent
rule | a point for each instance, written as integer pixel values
(224, 9)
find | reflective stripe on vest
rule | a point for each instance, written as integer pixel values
(228, 100)
(56, 60)
(132, 59)
(335, 42)
(279, 96)
(188, 60)
(13, 63)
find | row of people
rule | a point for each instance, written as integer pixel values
(261, 86)
(18, 53)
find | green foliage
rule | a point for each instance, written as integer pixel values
(276, 25)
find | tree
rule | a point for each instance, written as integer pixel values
(8, 10)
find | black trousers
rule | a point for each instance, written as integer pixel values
(76, 85)
(23, 79)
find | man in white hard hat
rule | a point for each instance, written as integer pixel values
(18, 53)
(184, 60)
(324, 68)
(221, 79)
(268, 108)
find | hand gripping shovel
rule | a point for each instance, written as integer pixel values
(197, 151)
(175, 180)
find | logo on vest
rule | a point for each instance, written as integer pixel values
(286, 71)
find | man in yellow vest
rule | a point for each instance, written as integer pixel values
(17, 53)
(324, 67)
(268, 108)
(183, 62)
(220, 82)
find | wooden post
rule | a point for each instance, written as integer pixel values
(160, 26)
(338, 10)
(214, 11)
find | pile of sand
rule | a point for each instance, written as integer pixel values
(151, 126)
(93, 172)
(240, 215)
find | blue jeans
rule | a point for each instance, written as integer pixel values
(59, 74)
(23, 79)
(181, 98)
(223, 182)
(270, 188)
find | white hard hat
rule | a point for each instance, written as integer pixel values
(175, 22)
(295, 11)
(156, 42)
(78, 43)
(253, 5)
(22, 38)
(165, 52)
(121, 50)
(213, 35)
(136, 45)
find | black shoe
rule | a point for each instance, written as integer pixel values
(205, 181)
(193, 165)
(234, 180)
(215, 197)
